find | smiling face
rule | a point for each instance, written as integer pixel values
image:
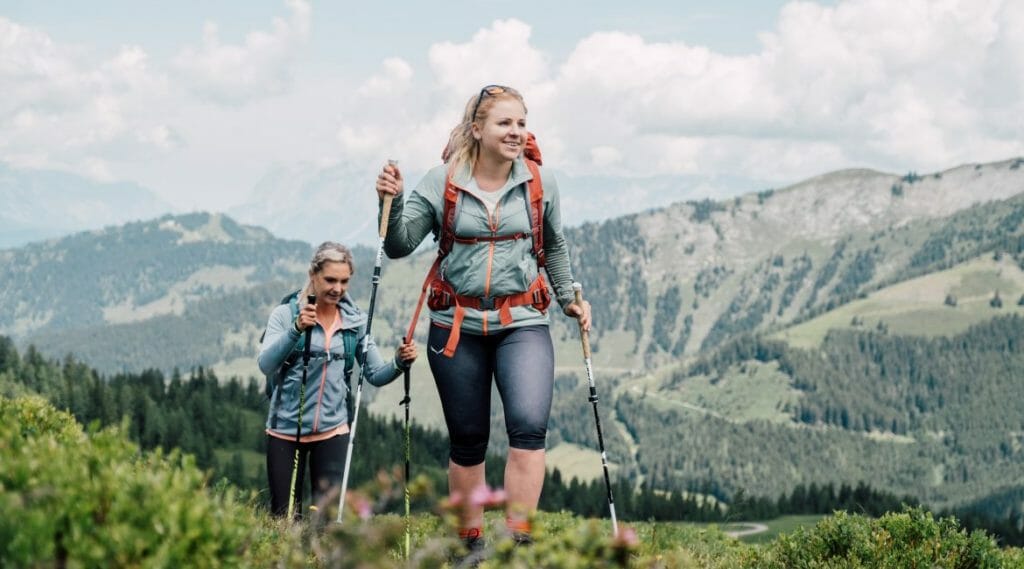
(502, 133)
(331, 281)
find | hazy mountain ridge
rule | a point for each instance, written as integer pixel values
(42, 204)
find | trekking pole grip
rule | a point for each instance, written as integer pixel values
(577, 289)
(310, 299)
(385, 209)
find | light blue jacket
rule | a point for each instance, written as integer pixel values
(486, 268)
(326, 385)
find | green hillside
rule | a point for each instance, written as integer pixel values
(736, 342)
(941, 303)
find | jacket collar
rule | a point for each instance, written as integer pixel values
(520, 174)
(351, 316)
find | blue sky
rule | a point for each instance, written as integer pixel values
(207, 103)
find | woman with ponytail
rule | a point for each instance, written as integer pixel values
(496, 215)
(338, 335)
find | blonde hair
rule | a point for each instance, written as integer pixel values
(462, 147)
(327, 252)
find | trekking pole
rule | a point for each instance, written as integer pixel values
(585, 339)
(385, 214)
(408, 451)
(311, 299)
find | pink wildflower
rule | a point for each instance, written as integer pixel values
(627, 538)
(487, 497)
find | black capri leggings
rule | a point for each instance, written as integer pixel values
(326, 467)
(522, 363)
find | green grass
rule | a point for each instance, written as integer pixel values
(255, 462)
(749, 391)
(574, 461)
(917, 306)
(776, 527)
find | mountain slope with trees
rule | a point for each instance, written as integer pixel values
(883, 398)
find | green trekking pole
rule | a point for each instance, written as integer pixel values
(311, 299)
(383, 233)
(585, 340)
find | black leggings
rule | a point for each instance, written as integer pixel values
(522, 363)
(326, 466)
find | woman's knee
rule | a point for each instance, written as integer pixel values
(528, 435)
(468, 453)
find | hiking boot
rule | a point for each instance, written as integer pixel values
(476, 552)
(521, 539)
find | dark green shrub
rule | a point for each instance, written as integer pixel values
(912, 538)
(94, 501)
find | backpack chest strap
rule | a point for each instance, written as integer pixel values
(326, 356)
(492, 238)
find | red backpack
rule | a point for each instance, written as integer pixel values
(439, 293)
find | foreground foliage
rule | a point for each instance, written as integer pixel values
(92, 499)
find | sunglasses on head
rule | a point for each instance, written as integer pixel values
(488, 90)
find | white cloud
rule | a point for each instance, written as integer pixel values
(118, 116)
(914, 85)
(395, 78)
(399, 113)
(63, 109)
(605, 154)
(868, 81)
(261, 66)
(500, 54)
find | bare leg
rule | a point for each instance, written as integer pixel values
(524, 479)
(462, 480)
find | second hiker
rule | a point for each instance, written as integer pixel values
(338, 331)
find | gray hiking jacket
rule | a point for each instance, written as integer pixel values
(492, 268)
(326, 385)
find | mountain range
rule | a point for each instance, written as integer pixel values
(781, 337)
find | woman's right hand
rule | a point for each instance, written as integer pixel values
(306, 318)
(389, 181)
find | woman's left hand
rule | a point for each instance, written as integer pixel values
(407, 352)
(580, 312)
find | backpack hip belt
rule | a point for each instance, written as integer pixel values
(536, 296)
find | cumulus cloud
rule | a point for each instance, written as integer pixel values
(380, 118)
(395, 78)
(260, 66)
(918, 84)
(64, 109)
(915, 85)
(67, 107)
(500, 54)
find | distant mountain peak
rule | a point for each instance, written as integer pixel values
(212, 227)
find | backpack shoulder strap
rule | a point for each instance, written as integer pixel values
(536, 190)
(350, 340)
(447, 235)
(293, 304)
(292, 300)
